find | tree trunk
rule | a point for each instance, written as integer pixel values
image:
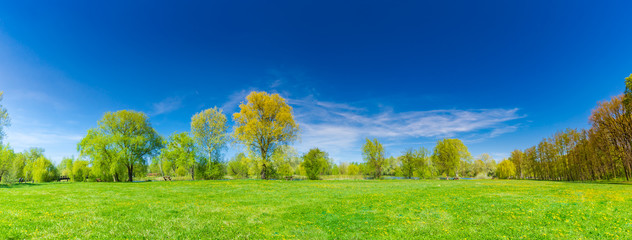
(130, 173)
(192, 173)
(263, 171)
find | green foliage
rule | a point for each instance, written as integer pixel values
(7, 156)
(353, 169)
(449, 154)
(415, 163)
(180, 153)
(122, 140)
(238, 166)
(315, 162)
(43, 170)
(209, 130)
(264, 123)
(373, 154)
(80, 171)
(285, 160)
(506, 169)
(65, 167)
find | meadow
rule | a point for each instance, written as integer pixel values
(343, 209)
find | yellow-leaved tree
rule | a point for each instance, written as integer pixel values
(264, 123)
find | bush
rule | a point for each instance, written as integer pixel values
(314, 163)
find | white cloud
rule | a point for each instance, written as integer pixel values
(167, 105)
(340, 129)
(234, 100)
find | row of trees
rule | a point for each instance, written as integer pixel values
(604, 151)
(124, 145)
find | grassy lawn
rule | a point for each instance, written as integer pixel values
(251, 209)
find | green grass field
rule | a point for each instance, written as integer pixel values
(252, 209)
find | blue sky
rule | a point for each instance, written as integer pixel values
(499, 75)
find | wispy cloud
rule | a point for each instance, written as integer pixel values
(234, 100)
(167, 105)
(341, 128)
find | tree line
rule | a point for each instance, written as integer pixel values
(602, 152)
(124, 146)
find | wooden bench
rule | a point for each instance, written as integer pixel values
(166, 178)
(289, 178)
(63, 178)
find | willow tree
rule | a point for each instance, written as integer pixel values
(373, 154)
(414, 162)
(448, 154)
(264, 123)
(180, 150)
(125, 137)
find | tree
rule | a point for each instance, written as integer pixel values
(373, 154)
(80, 171)
(7, 157)
(506, 169)
(285, 160)
(414, 162)
(105, 158)
(4, 118)
(65, 167)
(43, 170)
(627, 95)
(490, 164)
(209, 129)
(264, 123)
(121, 139)
(448, 154)
(181, 150)
(238, 166)
(517, 158)
(314, 162)
(353, 169)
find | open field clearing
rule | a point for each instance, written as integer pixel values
(253, 209)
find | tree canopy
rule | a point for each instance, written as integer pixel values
(373, 154)
(264, 123)
(122, 139)
(448, 154)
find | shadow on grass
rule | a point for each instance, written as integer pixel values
(18, 185)
(614, 182)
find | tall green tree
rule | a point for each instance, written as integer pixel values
(448, 154)
(414, 162)
(209, 129)
(506, 169)
(517, 158)
(373, 154)
(105, 157)
(126, 138)
(65, 167)
(7, 156)
(181, 151)
(264, 123)
(80, 171)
